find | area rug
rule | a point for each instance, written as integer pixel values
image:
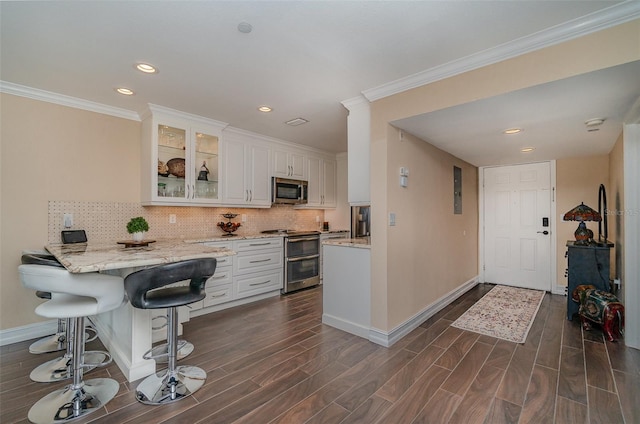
(505, 313)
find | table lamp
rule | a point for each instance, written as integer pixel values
(582, 213)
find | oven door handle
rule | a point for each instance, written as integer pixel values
(303, 258)
(296, 240)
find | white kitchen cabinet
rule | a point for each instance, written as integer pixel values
(257, 268)
(287, 164)
(180, 158)
(322, 182)
(329, 236)
(246, 176)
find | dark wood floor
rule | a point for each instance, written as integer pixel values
(274, 362)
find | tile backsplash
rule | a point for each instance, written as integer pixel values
(107, 221)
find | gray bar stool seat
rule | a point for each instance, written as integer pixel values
(147, 289)
(73, 296)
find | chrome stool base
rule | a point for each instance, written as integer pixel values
(71, 403)
(62, 368)
(52, 343)
(166, 387)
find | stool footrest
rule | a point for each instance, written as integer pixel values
(96, 358)
(160, 353)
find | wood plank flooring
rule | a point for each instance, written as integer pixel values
(274, 362)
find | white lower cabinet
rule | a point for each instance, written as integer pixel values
(256, 268)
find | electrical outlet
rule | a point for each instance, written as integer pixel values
(172, 218)
(67, 220)
(317, 218)
(244, 217)
(392, 219)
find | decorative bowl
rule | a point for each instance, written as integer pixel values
(229, 227)
(176, 167)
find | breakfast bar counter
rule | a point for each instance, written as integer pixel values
(126, 332)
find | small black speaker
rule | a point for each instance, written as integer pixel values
(74, 236)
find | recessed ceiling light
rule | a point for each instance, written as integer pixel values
(265, 109)
(594, 122)
(296, 121)
(527, 149)
(146, 68)
(125, 91)
(245, 27)
(512, 131)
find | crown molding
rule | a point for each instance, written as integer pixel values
(597, 21)
(355, 102)
(61, 99)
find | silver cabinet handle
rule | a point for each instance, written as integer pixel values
(260, 284)
(304, 258)
(259, 261)
(219, 277)
(218, 295)
(298, 240)
(260, 244)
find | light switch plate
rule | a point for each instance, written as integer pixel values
(392, 219)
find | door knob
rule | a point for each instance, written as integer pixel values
(545, 232)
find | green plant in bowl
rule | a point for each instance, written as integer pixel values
(137, 227)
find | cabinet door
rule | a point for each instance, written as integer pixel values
(281, 167)
(234, 173)
(297, 165)
(172, 147)
(329, 184)
(289, 165)
(315, 181)
(205, 167)
(257, 169)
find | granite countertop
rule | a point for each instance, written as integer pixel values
(236, 237)
(87, 257)
(361, 243)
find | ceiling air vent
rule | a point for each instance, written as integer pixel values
(297, 121)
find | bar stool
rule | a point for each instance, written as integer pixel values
(147, 289)
(73, 296)
(57, 341)
(60, 368)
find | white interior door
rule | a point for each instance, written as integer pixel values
(517, 252)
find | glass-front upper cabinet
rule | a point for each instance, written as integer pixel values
(180, 158)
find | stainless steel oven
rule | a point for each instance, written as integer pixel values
(301, 260)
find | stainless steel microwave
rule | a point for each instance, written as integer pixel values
(292, 192)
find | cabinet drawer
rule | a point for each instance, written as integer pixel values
(256, 284)
(257, 244)
(220, 244)
(218, 294)
(224, 262)
(222, 276)
(257, 261)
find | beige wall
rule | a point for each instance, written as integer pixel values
(615, 46)
(52, 152)
(431, 249)
(577, 180)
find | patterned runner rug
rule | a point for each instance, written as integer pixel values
(505, 313)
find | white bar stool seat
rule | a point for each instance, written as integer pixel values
(73, 296)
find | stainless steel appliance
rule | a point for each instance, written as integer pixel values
(292, 192)
(301, 259)
(360, 221)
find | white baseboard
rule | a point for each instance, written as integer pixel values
(387, 339)
(344, 325)
(28, 332)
